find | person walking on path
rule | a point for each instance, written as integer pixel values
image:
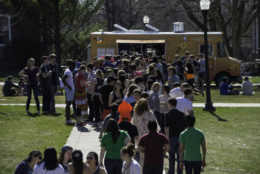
(184, 104)
(31, 72)
(68, 82)
(174, 125)
(130, 166)
(154, 145)
(191, 140)
(112, 142)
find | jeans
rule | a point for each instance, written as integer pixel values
(53, 93)
(153, 169)
(29, 96)
(46, 98)
(91, 107)
(192, 165)
(174, 150)
(158, 118)
(113, 166)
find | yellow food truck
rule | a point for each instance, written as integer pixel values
(167, 44)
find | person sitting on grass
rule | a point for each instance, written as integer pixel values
(50, 163)
(247, 87)
(65, 157)
(27, 165)
(226, 89)
(93, 164)
(77, 166)
(9, 88)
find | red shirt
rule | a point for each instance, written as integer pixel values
(153, 142)
(79, 77)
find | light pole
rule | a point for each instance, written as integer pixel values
(204, 6)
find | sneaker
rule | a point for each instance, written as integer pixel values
(69, 122)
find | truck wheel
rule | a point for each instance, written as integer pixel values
(220, 76)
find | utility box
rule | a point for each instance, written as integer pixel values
(178, 27)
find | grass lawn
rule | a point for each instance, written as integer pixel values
(233, 146)
(255, 79)
(21, 134)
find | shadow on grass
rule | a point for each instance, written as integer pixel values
(218, 117)
(33, 114)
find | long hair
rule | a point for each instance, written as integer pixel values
(50, 159)
(113, 128)
(64, 149)
(29, 62)
(95, 156)
(77, 161)
(121, 90)
(31, 155)
(141, 106)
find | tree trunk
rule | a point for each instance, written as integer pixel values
(57, 32)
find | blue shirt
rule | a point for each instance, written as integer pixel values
(223, 89)
(23, 168)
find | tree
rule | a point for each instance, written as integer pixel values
(233, 18)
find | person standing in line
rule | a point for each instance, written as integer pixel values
(184, 104)
(191, 139)
(112, 142)
(154, 145)
(163, 104)
(91, 77)
(104, 91)
(130, 166)
(154, 102)
(54, 69)
(27, 165)
(68, 82)
(80, 94)
(31, 72)
(174, 125)
(45, 84)
(49, 164)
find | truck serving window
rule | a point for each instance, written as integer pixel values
(221, 52)
(210, 50)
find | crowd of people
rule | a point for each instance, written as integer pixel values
(139, 102)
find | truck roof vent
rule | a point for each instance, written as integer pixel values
(178, 27)
(120, 27)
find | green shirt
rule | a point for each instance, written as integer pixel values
(192, 139)
(113, 149)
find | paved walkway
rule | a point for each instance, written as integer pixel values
(195, 105)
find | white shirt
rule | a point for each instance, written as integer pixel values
(176, 92)
(39, 169)
(184, 105)
(134, 167)
(247, 88)
(69, 78)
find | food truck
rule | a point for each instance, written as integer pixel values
(168, 44)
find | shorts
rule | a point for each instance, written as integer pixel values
(69, 94)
